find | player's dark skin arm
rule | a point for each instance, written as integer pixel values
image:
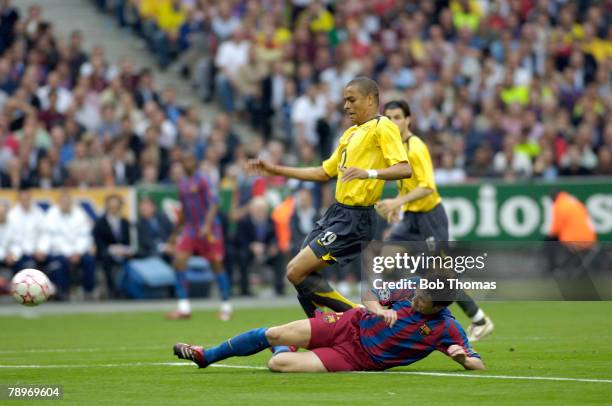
(400, 170)
(387, 207)
(315, 174)
(415, 194)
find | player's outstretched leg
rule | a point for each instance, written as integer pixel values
(481, 325)
(248, 343)
(313, 290)
(251, 342)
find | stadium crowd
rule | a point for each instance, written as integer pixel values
(506, 89)
(510, 89)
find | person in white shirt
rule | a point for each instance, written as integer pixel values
(68, 234)
(29, 247)
(64, 97)
(231, 56)
(6, 258)
(307, 110)
(25, 219)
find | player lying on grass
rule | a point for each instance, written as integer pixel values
(362, 339)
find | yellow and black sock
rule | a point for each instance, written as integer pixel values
(315, 291)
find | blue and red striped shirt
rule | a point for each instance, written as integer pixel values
(197, 197)
(413, 337)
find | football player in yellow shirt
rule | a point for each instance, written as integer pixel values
(369, 153)
(424, 218)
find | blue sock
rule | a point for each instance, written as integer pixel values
(224, 285)
(277, 349)
(180, 285)
(247, 343)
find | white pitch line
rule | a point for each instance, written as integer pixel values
(61, 350)
(444, 374)
(529, 378)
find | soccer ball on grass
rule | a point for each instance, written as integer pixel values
(31, 287)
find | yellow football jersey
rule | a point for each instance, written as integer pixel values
(422, 175)
(375, 144)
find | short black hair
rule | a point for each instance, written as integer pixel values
(398, 104)
(440, 297)
(366, 86)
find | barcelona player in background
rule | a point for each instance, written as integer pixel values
(201, 234)
(424, 218)
(369, 153)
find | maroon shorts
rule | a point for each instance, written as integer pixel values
(335, 340)
(209, 248)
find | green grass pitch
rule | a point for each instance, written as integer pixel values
(119, 359)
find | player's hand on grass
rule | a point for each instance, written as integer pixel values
(389, 315)
(259, 167)
(353, 173)
(457, 353)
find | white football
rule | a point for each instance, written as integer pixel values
(31, 287)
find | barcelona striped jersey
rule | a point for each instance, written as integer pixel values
(197, 197)
(413, 337)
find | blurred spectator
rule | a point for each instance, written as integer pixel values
(510, 163)
(154, 230)
(112, 237)
(26, 220)
(144, 91)
(170, 17)
(48, 175)
(125, 170)
(9, 16)
(544, 165)
(233, 53)
(303, 219)
(307, 111)
(480, 166)
(604, 158)
(7, 258)
(224, 23)
(447, 172)
(68, 230)
(256, 244)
